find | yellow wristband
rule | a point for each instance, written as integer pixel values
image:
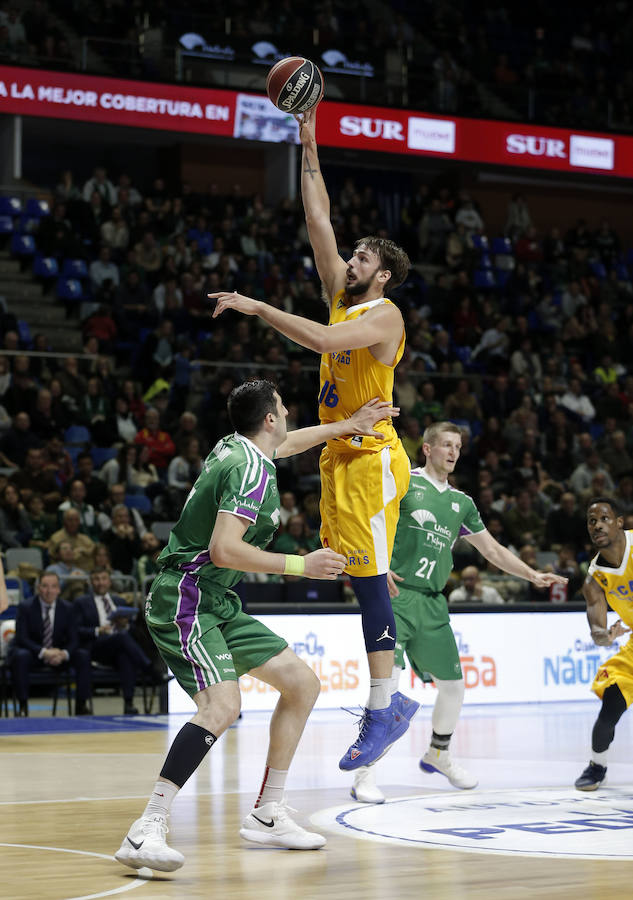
(295, 565)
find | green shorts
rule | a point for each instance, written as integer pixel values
(424, 633)
(201, 632)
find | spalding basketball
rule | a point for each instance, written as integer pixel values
(295, 84)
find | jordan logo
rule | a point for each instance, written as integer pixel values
(385, 636)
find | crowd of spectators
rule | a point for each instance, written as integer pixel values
(533, 363)
(458, 57)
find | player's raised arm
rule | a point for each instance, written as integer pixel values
(505, 560)
(316, 205)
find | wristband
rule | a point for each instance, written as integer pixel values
(295, 565)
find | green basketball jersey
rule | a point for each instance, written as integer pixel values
(236, 478)
(432, 517)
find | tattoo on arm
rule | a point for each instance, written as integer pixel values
(309, 170)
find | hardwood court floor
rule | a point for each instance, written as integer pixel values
(66, 800)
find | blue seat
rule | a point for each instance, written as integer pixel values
(74, 268)
(37, 208)
(10, 206)
(45, 266)
(598, 269)
(23, 245)
(502, 276)
(480, 242)
(484, 279)
(6, 225)
(101, 455)
(77, 434)
(502, 246)
(485, 261)
(24, 333)
(70, 289)
(138, 501)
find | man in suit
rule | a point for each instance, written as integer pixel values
(109, 640)
(46, 635)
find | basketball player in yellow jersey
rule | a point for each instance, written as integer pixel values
(362, 481)
(609, 582)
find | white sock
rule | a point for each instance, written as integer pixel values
(396, 672)
(161, 799)
(600, 759)
(379, 693)
(273, 784)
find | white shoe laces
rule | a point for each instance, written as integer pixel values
(155, 827)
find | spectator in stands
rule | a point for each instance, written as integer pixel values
(96, 489)
(72, 579)
(115, 235)
(41, 523)
(72, 382)
(149, 257)
(45, 635)
(122, 540)
(616, 457)
(103, 269)
(35, 477)
(518, 217)
(493, 350)
(22, 392)
(99, 183)
(116, 497)
(411, 437)
(107, 638)
(434, 229)
(296, 537)
(182, 473)
(468, 216)
(159, 443)
(580, 478)
(566, 525)
(462, 404)
(117, 469)
(472, 589)
(15, 526)
(148, 565)
(577, 404)
(143, 475)
(522, 523)
(77, 500)
(81, 543)
(17, 440)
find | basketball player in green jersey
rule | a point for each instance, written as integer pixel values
(433, 515)
(197, 623)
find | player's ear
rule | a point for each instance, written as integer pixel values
(384, 275)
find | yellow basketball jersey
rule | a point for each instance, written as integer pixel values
(617, 583)
(349, 378)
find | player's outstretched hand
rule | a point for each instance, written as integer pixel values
(375, 410)
(392, 587)
(233, 300)
(324, 563)
(307, 127)
(617, 630)
(546, 579)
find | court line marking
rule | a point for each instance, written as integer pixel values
(138, 882)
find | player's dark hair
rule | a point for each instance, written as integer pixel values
(391, 257)
(249, 404)
(610, 501)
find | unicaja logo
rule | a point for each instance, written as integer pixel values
(422, 516)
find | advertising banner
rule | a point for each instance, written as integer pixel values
(505, 657)
(179, 107)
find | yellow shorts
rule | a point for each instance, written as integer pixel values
(360, 505)
(617, 670)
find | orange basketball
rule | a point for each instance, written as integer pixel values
(295, 84)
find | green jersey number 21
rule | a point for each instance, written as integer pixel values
(426, 567)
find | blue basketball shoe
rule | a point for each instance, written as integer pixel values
(407, 707)
(379, 729)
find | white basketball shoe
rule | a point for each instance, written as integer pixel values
(435, 760)
(365, 789)
(271, 824)
(145, 844)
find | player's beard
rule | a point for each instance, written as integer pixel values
(359, 288)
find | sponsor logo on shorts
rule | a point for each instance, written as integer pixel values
(224, 656)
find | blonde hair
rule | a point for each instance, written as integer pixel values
(432, 433)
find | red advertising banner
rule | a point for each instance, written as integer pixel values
(176, 107)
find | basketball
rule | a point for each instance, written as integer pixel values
(295, 84)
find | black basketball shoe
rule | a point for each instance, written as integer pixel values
(591, 778)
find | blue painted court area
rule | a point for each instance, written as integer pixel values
(80, 724)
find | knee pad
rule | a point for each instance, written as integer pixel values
(379, 625)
